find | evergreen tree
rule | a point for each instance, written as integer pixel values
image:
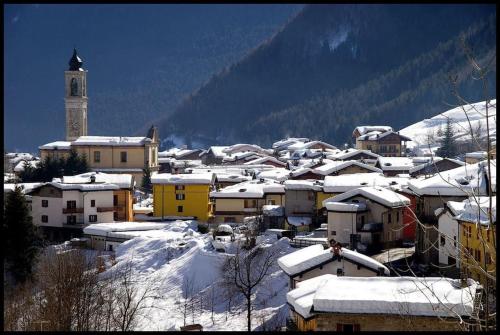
(146, 178)
(22, 241)
(448, 146)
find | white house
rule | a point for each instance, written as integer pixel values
(449, 239)
(314, 261)
(62, 210)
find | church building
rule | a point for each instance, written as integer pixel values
(110, 154)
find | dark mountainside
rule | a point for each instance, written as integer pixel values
(142, 61)
(337, 66)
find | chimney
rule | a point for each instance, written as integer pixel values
(92, 179)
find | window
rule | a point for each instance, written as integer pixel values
(115, 200)
(71, 204)
(348, 328)
(252, 203)
(180, 196)
(180, 209)
(362, 220)
(97, 156)
(110, 247)
(334, 233)
(123, 156)
(467, 231)
(310, 195)
(389, 218)
(45, 218)
(451, 260)
(115, 216)
(477, 255)
(179, 187)
(443, 240)
(340, 272)
(454, 241)
(71, 219)
(229, 219)
(488, 259)
(92, 218)
(397, 216)
(271, 202)
(45, 203)
(92, 203)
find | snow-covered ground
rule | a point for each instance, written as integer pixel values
(476, 113)
(168, 260)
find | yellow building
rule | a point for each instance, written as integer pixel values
(111, 154)
(477, 252)
(183, 195)
(234, 203)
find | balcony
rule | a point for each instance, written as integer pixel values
(108, 209)
(74, 225)
(72, 210)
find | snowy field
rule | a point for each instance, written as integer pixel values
(476, 113)
(170, 261)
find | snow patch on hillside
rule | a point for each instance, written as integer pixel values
(425, 132)
(169, 262)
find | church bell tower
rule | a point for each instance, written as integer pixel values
(75, 99)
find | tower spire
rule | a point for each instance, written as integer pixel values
(75, 63)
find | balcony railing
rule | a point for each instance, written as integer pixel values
(73, 225)
(108, 209)
(72, 210)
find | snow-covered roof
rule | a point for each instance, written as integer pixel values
(346, 182)
(186, 178)
(433, 161)
(82, 187)
(122, 180)
(304, 259)
(263, 160)
(477, 155)
(103, 229)
(309, 184)
(307, 145)
(395, 163)
(117, 170)
(462, 181)
(111, 140)
(474, 116)
(279, 174)
(247, 155)
(335, 166)
(245, 147)
(365, 129)
(476, 210)
(217, 151)
(301, 298)
(285, 143)
(250, 189)
(381, 195)
(298, 221)
(311, 256)
(344, 207)
(418, 296)
(65, 145)
(344, 154)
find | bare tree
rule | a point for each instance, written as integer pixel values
(245, 270)
(130, 299)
